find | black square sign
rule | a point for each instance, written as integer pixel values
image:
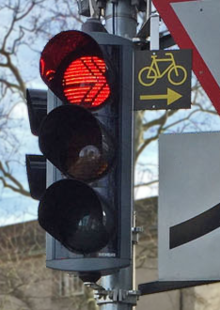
(162, 79)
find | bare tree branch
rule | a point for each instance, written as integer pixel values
(15, 185)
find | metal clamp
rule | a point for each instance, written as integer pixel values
(117, 296)
(135, 234)
(104, 296)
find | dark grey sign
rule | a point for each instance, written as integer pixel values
(162, 79)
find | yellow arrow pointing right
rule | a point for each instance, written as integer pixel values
(171, 96)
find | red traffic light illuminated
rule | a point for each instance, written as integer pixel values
(73, 66)
(84, 82)
(86, 138)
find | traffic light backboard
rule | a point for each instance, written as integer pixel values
(87, 139)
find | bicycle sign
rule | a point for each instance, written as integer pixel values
(162, 79)
(150, 74)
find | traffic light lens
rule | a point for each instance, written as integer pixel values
(76, 143)
(73, 214)
(84, 82)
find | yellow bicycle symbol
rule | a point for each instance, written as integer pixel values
(150, 74)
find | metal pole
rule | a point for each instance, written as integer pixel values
(154, 33)
(121, 20)
(148, 9)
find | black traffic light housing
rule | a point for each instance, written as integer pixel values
(87, 207)
(36, 164)
(36, 174)
(37, 108)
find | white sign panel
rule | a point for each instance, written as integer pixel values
(201, 21)
(195, 24)
(189, 207)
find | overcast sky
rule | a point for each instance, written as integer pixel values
(16, 208)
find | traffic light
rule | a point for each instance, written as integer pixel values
(36, 164)
(87, 139)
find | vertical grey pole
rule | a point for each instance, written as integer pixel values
(120, 20)
(154, 33)
(148, 9)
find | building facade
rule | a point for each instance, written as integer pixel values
(26, 284)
